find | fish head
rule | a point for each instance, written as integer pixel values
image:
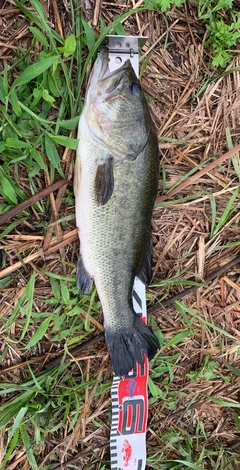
(115, 108)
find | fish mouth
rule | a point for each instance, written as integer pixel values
(102, 63)
(103, 58)
(105, 80)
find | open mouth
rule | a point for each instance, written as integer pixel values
(105, 72)
(111, 81)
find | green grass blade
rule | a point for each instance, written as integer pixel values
(28, 447)
(34, 70)
(214, 213)
(179, 201)
(58, 276)
(15, 103)
(176, 282)
(190, 173)
(188, 464)
(13, 143)
(29, 293)
(234, 370)
(235, 161)
(17, 422)
(177, 338)
(39, 36)
(35, 116)
(11, 409)
(9, 120)
(3, 93)
(68, 142)
(227, 212)
(39, 333)
(69, 123)
(228, 404)
(8, 190)
(11, 448)
(40, 20)
(180, 305)
(52, 154)
(10, 227)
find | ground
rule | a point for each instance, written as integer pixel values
(63, 415)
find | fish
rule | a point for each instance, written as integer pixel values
(115, 185)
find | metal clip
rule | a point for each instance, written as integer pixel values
(122, 48)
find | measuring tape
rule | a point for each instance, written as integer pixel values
(130, 405)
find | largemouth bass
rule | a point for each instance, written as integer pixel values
(115, 185)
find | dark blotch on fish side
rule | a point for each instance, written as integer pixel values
(126, 347)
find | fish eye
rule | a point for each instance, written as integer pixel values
(135, 89)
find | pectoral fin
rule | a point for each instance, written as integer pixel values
(104, 181)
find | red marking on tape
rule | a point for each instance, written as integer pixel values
(127, 452)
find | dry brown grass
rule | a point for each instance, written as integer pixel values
(183, 249)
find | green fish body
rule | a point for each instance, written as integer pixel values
(115, 185)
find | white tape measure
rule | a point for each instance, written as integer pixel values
(130, 405)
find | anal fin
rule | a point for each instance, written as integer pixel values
(145, 270)
(84, 280)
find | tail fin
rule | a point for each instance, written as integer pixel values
(127, 347)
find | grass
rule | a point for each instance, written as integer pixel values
(32, 95)
(221, 19)
(53, 415)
